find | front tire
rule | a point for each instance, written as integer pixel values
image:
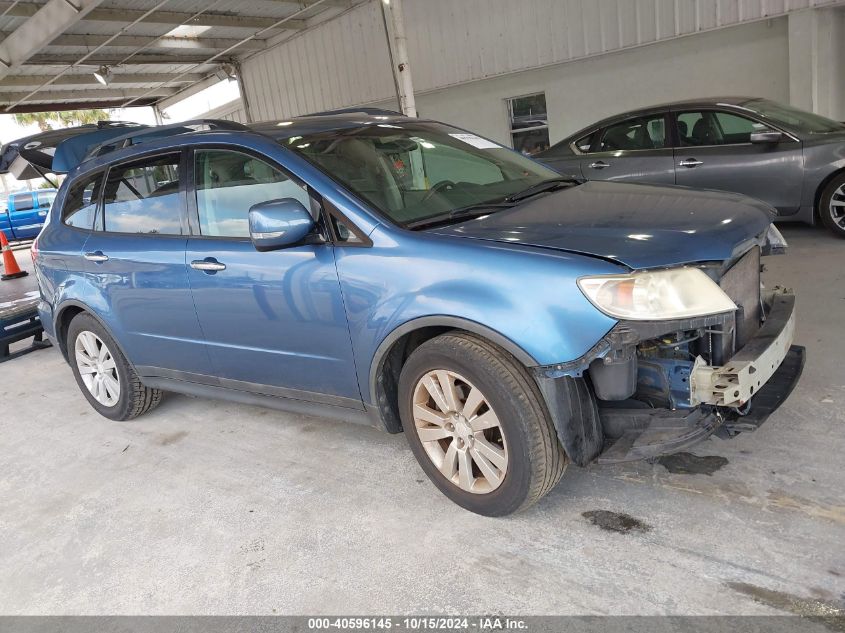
(832, 206)
(477, 424)
(103, 374)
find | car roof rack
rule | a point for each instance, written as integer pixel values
(372, 111)
(147, 134)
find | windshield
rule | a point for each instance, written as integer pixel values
(415, 170)
(793, 118)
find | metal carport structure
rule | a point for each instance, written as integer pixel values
(143, 50)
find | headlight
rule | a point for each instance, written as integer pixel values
(662, 294)
(775, 242)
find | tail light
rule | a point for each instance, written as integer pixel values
(33, 250)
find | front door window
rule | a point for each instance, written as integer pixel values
(707, 127)
(228, 183)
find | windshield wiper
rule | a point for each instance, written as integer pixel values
(541, 187)
(461, 213)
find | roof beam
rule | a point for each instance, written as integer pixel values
(156, 43)
(206, 19)
(43, 26)
(84, 95)
(110, 60)
(27, 9)
(78, 105)
(26, 81)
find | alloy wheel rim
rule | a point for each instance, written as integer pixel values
(97, 368)
(837, 206)
(460, 431)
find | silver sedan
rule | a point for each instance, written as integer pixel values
(791, 159)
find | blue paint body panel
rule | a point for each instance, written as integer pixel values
(641, 226)
(307, 321)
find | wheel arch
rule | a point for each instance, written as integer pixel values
(395, 348)
(66, 312)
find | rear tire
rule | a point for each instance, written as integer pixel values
(832, 206)
(103, 374)
(485, 438)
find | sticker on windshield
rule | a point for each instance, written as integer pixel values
(476, 141)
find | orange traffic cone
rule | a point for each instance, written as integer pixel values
(12, 270)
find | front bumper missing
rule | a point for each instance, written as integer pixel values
(735, 383)
(735, 397)
(650, 433)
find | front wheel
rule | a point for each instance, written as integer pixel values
(103, 374)
(476, 422)
(832, 206)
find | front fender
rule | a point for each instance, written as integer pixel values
(524, 299)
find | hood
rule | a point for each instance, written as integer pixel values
(640, 226)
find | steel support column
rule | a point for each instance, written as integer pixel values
(399, 48)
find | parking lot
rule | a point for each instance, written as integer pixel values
(206, 506)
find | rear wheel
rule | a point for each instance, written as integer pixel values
(832, 205)
(103, 374)
(476, 423)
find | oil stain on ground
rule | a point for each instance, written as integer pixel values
(827, 613)
(689, 464)
(171, 438)
(615, 521)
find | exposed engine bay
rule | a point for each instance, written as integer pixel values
(660, 386)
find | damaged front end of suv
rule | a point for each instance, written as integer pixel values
(697, 350)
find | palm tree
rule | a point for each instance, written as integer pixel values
(67, 118)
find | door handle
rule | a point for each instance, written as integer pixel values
(208, 265)
(689, 163)
(599, 164)
(96, 256)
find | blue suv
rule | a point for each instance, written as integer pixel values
(406, 274)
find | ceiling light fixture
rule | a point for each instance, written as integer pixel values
(103, 75)
(225, 72)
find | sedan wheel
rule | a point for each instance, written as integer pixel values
(837, 206)
(460, 431)
(97, 368)
(831, 207)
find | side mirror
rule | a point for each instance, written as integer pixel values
(767, 137)
(279, 223)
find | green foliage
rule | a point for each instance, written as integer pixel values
(61, 119)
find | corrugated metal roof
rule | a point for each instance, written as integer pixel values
(169, 62)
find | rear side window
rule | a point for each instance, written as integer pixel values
(634, 134)
(144, 197)
(23, 201)
(81, 203)
(228, 183)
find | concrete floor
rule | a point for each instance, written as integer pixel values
(208, 507)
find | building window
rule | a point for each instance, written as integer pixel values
(529, 123)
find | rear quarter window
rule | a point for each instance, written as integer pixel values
(80, 206)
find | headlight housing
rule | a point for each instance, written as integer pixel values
(676, 293)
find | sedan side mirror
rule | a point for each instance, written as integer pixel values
(279, 223)
(767, 137)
